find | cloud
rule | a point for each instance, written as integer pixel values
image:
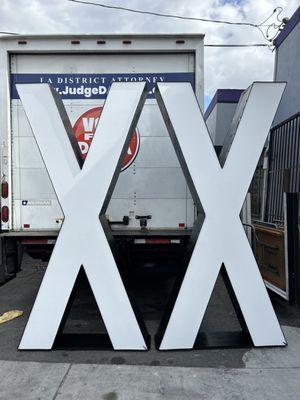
(224, 68)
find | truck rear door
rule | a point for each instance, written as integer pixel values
(151, 181)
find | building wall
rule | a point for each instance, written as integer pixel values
(211, 123)
(219, 120)
(287, 68)
(225, 115)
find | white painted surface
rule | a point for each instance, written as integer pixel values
(82, 241)
(222, 192)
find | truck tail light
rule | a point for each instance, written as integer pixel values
(34, 241)
(4, 189)
(181, 225)
(4, 214)
(157, 241)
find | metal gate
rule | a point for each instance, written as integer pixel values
(284, 156)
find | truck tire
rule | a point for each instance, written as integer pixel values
(11, 258)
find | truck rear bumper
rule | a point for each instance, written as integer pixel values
(148, 251)
(115, 233)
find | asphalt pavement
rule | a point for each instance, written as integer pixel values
(245, 373)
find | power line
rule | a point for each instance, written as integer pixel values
(266, 36)
(8, 33)
(206, 45)
(238, 45)
(259, 26)
(158, 14)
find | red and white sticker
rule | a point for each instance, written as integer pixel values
(84, 129)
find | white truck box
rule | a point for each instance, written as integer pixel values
(82, 68)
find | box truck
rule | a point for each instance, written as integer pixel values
(151, 212)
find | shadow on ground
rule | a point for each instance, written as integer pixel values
(151, 296)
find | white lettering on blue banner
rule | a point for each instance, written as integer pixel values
(95, 86)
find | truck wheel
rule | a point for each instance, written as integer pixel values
(11, 252)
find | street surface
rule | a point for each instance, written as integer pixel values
(268, 373)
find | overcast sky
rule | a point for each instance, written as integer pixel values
(224, 68)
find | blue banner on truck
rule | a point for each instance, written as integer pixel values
(95, 86)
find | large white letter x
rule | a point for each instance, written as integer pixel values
(222, 191)
(82, 193)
